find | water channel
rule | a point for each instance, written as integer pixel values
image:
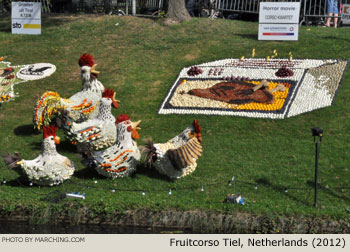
(25, 228)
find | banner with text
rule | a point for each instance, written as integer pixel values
(26, 18)
(279, 20)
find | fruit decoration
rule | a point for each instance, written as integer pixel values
(193, 71)
(284, 72)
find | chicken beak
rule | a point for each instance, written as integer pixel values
(57, 140)
(92, 70)
(19, 162)
(199, 137)
(135, 127)
(114, 101)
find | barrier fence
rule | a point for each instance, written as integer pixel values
(318, 9)
(106, 6)
(311, 11)
(5, 5)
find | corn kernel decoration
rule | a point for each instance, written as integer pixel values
(290, 56)
(279, 99)
(274, 54)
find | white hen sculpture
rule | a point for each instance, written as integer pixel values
(100, 132)
(49, 168)
(121, 159)
(177, 157)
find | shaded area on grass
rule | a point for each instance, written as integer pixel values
(26, 130)
(286, 191)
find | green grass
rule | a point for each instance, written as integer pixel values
(140, 59)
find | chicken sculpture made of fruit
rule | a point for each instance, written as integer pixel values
(49, 168)
(82, 106)
(177, 157)
(120, 159)
(110, 143)
(98, 133)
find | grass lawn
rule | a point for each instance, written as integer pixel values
(140, 59)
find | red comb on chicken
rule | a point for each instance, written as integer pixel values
(110, 93)
(86, 60)
(51, 131)
(122, 118)
(197, 129)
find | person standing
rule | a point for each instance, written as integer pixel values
(332, 10)
(190, 5)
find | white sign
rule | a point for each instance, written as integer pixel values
(26, 18)
(279, 20)
(345, 16)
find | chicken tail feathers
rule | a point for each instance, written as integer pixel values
(149, 151)
(46, 107)
(186, 155)
(12, 160)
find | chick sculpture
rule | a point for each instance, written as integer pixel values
(99, 132)
(177, 157)
(49, 168)
(82, 105)
(120, 159)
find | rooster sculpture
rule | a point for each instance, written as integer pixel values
(177, 157)
(49, 168)
(82, 106)
(120, 159)
(98, 133)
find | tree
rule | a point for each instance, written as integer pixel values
(177, 12)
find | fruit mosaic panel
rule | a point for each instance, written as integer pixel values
(260, 88)
(12, 75)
